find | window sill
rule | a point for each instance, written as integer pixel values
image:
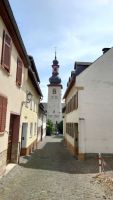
(18, 85)
(2, 133)
(5, 70)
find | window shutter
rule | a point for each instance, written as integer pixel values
(6, 51)
(19, 72)
(3, 110)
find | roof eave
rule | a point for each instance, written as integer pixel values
(10, 22)
(72, 82)
(34, 82)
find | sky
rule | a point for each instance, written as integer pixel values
(79, 29)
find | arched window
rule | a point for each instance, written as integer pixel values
(54, 91)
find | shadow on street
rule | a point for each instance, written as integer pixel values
(54, 156)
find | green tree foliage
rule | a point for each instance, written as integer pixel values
(50, 127)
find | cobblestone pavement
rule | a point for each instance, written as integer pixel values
(51, 173)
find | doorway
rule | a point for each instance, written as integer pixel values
(24, 135)
(76, 144)
(12, 151)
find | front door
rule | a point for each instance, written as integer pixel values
(10, 138)
(24, 135)
(76, 139)
(12, 151)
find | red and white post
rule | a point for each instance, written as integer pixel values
(100, 162)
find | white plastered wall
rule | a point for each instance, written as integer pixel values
(96, 106)
(54, 106)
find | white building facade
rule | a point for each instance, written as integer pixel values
(96, 105)
(93, 115)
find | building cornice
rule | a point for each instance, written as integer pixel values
(70, 85)
(55, 85)
(34, 82)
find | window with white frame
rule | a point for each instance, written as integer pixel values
(34, 106)
(31, 129)
(31, 104)
(35, 131)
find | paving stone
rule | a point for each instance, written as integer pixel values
(51, 173)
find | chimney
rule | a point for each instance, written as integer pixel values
(105, 50)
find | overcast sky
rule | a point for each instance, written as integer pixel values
(78, 28)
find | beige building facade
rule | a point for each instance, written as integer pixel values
(18, 78)
(41, 123)
(30, 111)
(13, 70)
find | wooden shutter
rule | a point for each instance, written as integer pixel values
(3, 111)
(19, 72)
(6, 51)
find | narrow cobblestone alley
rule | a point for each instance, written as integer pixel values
(51, 173)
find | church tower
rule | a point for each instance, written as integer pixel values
(54, 106)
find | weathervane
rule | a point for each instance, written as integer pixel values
(55, 53)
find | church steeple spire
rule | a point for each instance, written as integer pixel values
(55, 78)
(55, 54)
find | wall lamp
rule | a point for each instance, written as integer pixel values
(29, 97)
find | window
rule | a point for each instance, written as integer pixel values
(72, 129)
(3, 110)
(72, 104)
(35, 129)
(54, 91)
(19, 72)
(34, 106)
(6, 51)
(31, 129)
(76, 100)
(26, 104)
(31, 105)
